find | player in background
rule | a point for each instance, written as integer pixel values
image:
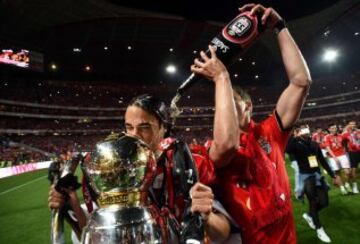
(337, 157)
(351, 137)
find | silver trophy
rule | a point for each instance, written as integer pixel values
(121, 170)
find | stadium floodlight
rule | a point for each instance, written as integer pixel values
(171, 69)
(330, 55)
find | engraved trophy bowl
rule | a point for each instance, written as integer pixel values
(120, 171)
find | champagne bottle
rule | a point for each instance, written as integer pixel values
(234, 39)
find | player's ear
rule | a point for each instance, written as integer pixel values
(248, 106)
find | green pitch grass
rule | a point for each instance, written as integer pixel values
(25, 217)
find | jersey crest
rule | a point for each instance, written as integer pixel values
(264, 144)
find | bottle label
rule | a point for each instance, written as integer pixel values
(241, 30)
(220, 45)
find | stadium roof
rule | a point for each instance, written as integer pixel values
(138, 35)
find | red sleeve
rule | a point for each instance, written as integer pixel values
(313, 137)
(272, 126)
(198, 149)
(205, 169)
(327, 141)
(345, 136)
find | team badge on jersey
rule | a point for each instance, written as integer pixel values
(265, 145)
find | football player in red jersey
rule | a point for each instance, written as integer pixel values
(337, 157)
(318, 136)
(250, 157)
(351, 136)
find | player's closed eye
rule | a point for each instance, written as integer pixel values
(145, 127)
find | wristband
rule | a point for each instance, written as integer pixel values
(279, 26)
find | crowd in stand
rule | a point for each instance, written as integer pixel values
(17, 156)
(83, 127)
(116, 93)
(57, 144)
(49, 146)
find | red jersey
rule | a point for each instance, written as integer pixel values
(198, 149)
(352, 139)
(206, 175)
(204, 165)
(255, 189)
(335, 142)
(319, 138)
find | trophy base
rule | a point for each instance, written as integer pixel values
(124, 225)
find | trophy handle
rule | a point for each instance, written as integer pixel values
(192, 224)
(57, 227)
(69, 181)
